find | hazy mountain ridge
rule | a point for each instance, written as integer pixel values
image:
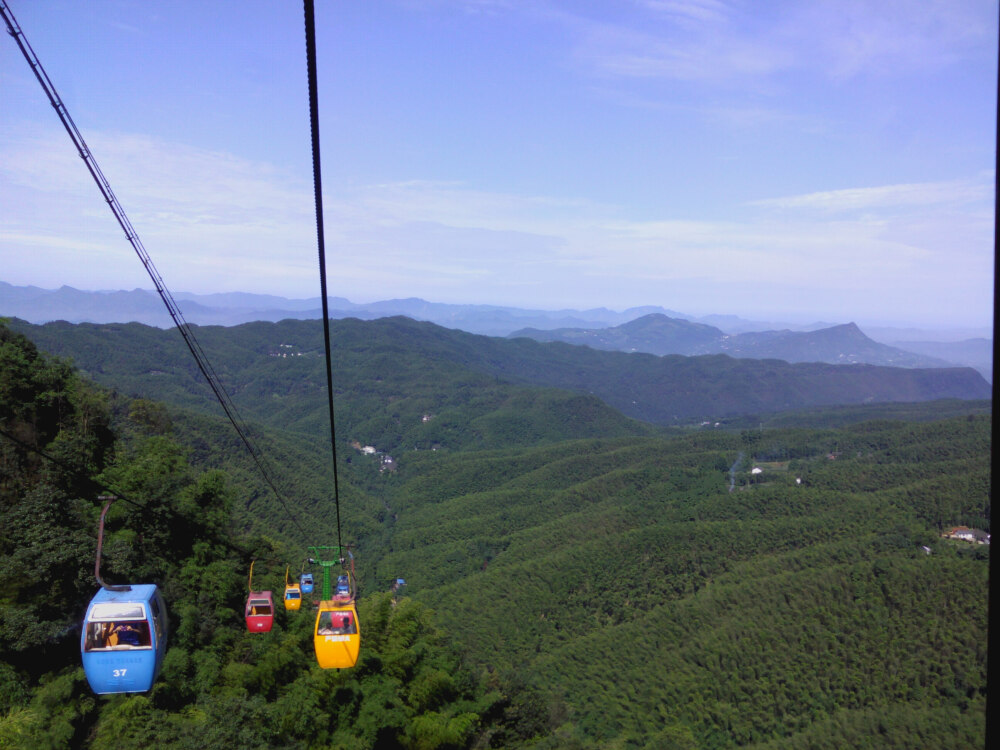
(39, 306)
(843, 344)
(976, 352)
(702, 335)
(402, 368)
(661, 335)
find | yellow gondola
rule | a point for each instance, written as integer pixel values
(337, 635)
(293, 594)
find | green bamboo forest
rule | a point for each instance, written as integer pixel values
(578, 574)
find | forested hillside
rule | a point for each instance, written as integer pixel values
(567, 587)
(65, 442)
(393, 372)
(658, 590)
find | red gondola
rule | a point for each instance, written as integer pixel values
(259, 609)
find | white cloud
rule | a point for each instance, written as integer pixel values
(691, 50)
(213, 222)
(912, 195)
(851, 37)
(741, 43)
(200, 214)
(700, 11)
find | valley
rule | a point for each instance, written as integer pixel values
(574, 577)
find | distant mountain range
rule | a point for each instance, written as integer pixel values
(417, 368)
(649, 329)
(974, 352)
(38, 305)
(662, 335)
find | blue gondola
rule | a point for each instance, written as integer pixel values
(124, 638)
(306, 581)
(343, 592)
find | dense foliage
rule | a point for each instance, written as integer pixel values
(647, 583)
(391, 373)
(567, 587)
(220, 687)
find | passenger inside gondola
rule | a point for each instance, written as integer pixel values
(336, 623)
(122, 634)
(130, 635)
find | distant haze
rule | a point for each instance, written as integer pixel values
(38, 305)
(784, 161)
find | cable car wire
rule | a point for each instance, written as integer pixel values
(182, 325)
(318, 193)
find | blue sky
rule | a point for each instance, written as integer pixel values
(830, 160)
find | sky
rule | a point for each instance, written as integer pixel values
(829, 160)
